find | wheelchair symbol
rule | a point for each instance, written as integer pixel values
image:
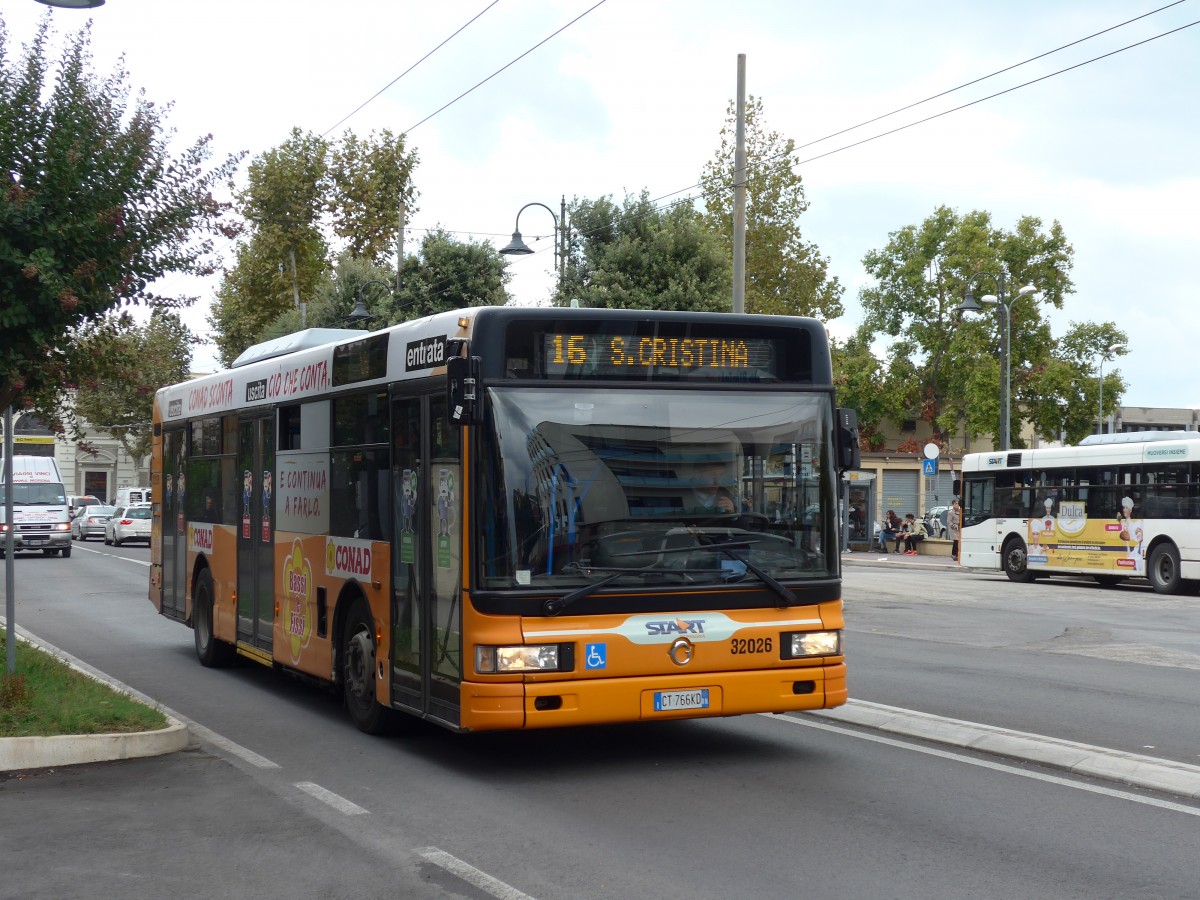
(595, 656)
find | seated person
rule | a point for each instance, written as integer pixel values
(890, 531)
(914, 534)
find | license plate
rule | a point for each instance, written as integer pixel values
(666, 701)
(35, 540)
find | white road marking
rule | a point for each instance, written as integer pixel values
(472, 875)
(211, 737)
(337, 801)
(987, 764)
(139, 562)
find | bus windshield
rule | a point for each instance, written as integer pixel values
(662, 487)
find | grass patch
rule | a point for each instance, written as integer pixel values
(46, 697)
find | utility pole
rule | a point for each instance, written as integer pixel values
(400, 245)
(739, 193)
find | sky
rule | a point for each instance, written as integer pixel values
(632, 94)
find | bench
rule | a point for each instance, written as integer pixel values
(935, 547)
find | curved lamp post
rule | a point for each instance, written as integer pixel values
(1004, 302)
(517, 247)
(1107, 355)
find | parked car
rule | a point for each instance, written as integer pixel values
(89, 522)
(935, 521)
(131, 523)
(76, 502)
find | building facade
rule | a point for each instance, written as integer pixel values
(98, 466)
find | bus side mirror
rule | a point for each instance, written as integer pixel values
(462, 383)
(848, 454)
(957, 489)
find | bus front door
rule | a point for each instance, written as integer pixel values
(256, 532)
(426, 558)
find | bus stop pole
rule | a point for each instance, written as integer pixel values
(10, 545)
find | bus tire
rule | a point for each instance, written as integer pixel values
(1163, 569)
(1015, 560)
(212, 653)
(358, 661)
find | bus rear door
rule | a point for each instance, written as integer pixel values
(256, 532)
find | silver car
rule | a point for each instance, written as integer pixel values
(89, 522)
(129, 524)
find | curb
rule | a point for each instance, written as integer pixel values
(1172, 777)
(24, 753)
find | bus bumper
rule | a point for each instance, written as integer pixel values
(491, 707)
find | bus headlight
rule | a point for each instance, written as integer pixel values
(523, 658)
(802, 644)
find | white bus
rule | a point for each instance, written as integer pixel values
(1115, 507)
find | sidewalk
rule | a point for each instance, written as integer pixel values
(880, 558)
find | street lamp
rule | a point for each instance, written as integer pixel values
(359, 316)
(73, 4)
(1109, 353)
(1004, 302)
(517, 247)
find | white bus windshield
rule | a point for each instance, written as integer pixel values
(666, 487)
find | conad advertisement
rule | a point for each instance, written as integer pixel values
(1068, 539)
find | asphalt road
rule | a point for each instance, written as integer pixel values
(282, 797)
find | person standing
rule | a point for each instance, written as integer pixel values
(954, 526)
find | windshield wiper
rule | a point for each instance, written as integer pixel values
(556, 605)
(727, 549)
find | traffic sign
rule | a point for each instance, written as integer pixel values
(929, 467)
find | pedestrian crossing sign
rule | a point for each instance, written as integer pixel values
(929, 466)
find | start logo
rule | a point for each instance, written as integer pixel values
(348, 558)
(299, 594)
(676, 626)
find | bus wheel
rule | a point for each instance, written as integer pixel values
(1015, 561)
(212, 653)
(358, 672)
(1163, 570)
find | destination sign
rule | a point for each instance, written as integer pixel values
(607, 355)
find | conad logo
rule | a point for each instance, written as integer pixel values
(348, 558)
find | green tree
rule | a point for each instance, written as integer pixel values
(284, 257)
(295, 194)
(785, 275)
(944, 368)
(636, 256)
(144, 358)
(1067, 385)
(859, 378)
(449, 274)
(369, 180)
(94, 207)
(445, 274)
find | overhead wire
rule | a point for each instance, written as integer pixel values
(410, 68)
(658, 206)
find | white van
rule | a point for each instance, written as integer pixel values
(40, 520)
(128, 496)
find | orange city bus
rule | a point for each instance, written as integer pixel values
(505, 518)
